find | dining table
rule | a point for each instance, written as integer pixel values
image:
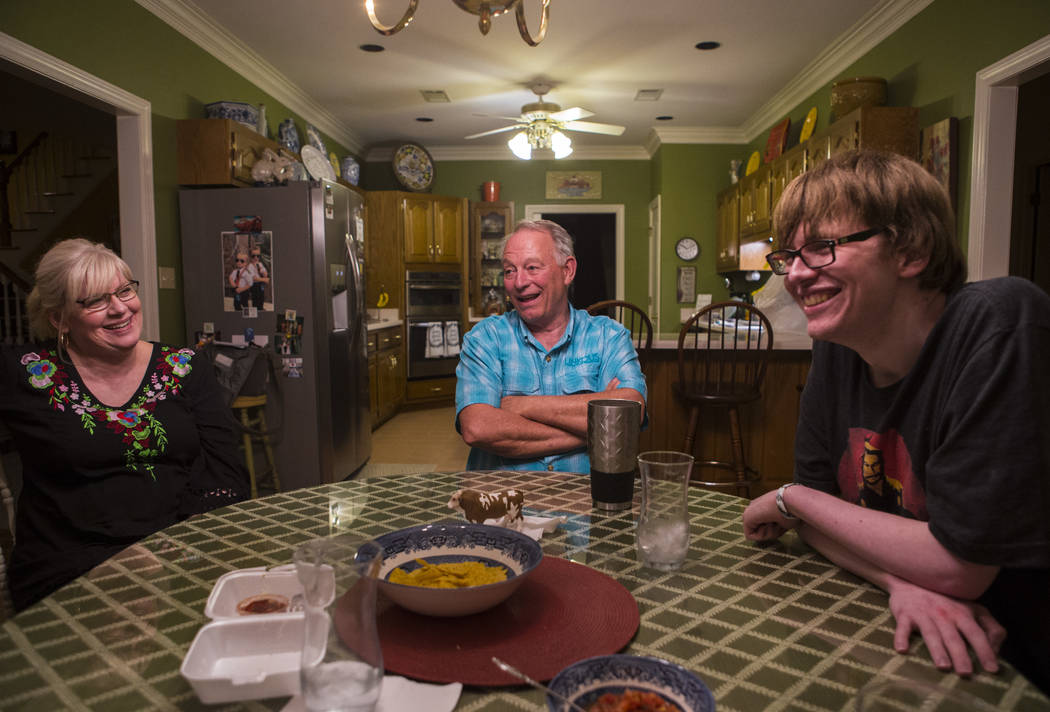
(766, 627)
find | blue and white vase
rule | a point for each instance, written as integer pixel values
(351, 170)
(288, 136)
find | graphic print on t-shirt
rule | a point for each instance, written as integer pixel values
(875, 472)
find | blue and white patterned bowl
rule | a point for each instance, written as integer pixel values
(239, 111)
(447, 542)
(584, 682)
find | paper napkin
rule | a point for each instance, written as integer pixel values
(532, 526)
(399, 694)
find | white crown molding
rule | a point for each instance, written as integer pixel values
(381, 154)
(879, 23)
(699, 134)
(192, 23)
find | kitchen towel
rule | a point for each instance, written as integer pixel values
(435, 347)
(451, 338)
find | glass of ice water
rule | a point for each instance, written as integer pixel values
(663, 525)
(342, 662)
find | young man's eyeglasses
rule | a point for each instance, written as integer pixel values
(124, 293)
(816, 254)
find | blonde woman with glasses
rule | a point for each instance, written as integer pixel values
(118, 437)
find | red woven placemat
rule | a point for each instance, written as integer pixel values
(562, 613)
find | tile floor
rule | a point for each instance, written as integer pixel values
(425, 436)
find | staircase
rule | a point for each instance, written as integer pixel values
(43, 192)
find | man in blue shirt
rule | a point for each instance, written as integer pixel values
(524, 378)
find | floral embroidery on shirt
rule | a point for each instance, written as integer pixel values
(144, 436)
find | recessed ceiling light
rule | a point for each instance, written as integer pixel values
(708, 45)
(435, 96)
(424, 119)
(648, 94)
(664, 118)
(371, 48)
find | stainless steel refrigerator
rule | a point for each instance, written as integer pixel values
(284, 266)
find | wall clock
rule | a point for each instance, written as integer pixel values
(687, 249)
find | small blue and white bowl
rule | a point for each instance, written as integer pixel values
(584, 682)
(450, 542)
(239, 111)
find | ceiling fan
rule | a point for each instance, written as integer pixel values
(541, 124)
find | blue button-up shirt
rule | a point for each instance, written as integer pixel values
(500, 357)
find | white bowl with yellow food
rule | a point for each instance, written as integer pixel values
(454, 568)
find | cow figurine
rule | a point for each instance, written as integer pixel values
(505, 506)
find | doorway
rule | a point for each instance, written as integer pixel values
(598, 233)
(138, 244)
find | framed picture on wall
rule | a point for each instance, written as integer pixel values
(939, 154)
(586, 185)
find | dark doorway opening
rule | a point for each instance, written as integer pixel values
(594, 235)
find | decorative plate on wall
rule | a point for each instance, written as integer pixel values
(413, 167)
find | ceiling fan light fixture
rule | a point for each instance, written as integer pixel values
(519, 146)
(561, 144)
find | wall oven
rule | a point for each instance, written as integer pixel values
(433, 309)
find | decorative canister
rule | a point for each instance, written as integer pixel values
(850, 94)
(351, 170)
(490, 191)
(288, 135)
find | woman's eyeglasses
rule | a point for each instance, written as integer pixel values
(816, 254)
(125, 293)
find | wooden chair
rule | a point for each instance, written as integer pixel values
(633, 318)
(723, 351)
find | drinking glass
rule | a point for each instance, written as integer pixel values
(342, 662)
(663, 525)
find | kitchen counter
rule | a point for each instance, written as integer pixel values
(782, 341)
(383, 319)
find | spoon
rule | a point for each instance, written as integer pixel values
(506, 667)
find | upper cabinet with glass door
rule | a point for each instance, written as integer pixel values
(490, 222)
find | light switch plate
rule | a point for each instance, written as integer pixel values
(686, 312)
(166, 277)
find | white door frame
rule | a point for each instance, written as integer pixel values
(994, 143)
(534, 212)
(654, 263)
(138, 240)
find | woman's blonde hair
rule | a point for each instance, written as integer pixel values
(70, 270)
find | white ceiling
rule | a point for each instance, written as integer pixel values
(597, 53)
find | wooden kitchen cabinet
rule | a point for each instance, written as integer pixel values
(490, 222)
(219, 152)
(384, 251)
(386, 371)
(433, 229)
(755, 208)
(745, 210)
(728, 234)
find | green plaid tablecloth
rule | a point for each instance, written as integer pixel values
(767, 628)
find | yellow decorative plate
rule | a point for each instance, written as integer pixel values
(335, 163)
(753, 163)
(808, 125)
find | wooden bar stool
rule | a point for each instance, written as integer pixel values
(251, 411)
(722, 354)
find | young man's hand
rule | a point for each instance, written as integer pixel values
(949, 627)
(763, 521)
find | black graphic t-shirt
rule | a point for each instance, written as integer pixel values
(960, 442)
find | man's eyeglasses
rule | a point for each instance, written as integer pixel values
(124, 293)
(816, 254)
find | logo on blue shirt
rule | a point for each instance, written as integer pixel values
(580, 360)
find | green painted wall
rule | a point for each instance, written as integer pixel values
(930, 63)
(123, 44)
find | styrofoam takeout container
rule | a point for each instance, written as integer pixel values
(246, 658)
(235, 586)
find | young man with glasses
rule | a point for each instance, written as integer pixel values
(260, 278)
(947, 383)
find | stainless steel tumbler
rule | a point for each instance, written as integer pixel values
(612, 446)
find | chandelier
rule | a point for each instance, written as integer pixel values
(541, 134)
(485, 9)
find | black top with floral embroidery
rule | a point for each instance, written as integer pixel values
(98, 478)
